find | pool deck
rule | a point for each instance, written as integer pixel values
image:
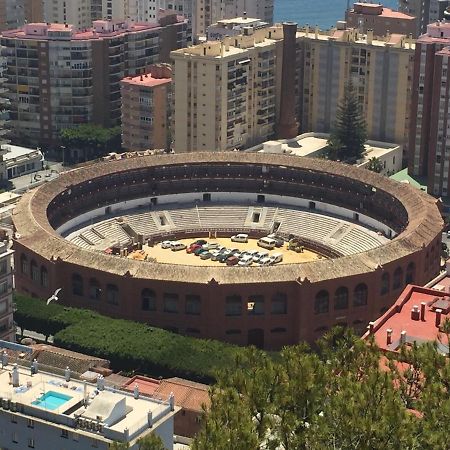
(32, 387)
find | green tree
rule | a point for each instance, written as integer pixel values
(89, 141)
(374, 165)
(151, 442)
(346, 142)
(338, 397)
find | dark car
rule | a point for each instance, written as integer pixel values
(232, 260)
(200, 242)
(199, 251)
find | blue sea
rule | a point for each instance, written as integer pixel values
(324, 13)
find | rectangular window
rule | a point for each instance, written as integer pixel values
(31, 443)
(170, 303)
(193, 304)
(65, 434)
(233, 305)
(279, 304)
(255, 305)
(30, 423)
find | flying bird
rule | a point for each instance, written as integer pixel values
(54, 297)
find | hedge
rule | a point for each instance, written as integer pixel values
(130, 346)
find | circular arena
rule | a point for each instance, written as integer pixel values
(96, 233)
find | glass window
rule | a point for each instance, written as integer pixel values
(148, 300)
(94, 289)
(112, 294)
(341, 298)
(385, 282)
(410, 273)
(24, 264)
(255, 305)
(44, 277)
(170, 303)
(35, 275)
(360, 295)
(193, 304)
(321, 304)
(279, 303)
(233, 305)
(398, 278)
(77, 285)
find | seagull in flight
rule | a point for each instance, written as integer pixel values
(54, 297)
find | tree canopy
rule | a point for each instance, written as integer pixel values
(375, 165)
(339, 397)
(346, 142)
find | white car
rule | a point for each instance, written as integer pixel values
(239, 238)
(276, 258)
(246, 261)
(265, 261)
(260, 255)
(177, 246)
(166, 244)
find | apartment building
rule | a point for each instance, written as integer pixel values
(232, 27)
(430, 133)
(146, 109)
(3, 104)
(59, 77)
(380, 69)
(15, 13)
(7, 328)
(82, 13)
(54, 409)
(425, 11)
(381, 20)
(226, 93)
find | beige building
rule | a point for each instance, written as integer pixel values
(15, 13)
(146, 109)
(226, 93)
(7, 329)
(380, 69)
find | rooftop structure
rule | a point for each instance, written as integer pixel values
(21, 160)
(416, 317)
(7, 327)
(313, 145)
(233, 27)
(62, 411)
(379, 19)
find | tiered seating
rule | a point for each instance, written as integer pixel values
(223, 216)
(358, 240)
(113, 232)
(184, 219)
(142, 223)
(81, 242)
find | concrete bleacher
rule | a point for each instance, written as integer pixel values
(345, 237)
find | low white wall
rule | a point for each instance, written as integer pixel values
(120, 208)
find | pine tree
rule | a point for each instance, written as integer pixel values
(346, 142)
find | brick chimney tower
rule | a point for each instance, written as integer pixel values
(287, 127)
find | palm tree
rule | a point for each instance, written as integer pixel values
(374, 165)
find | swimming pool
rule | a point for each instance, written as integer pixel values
(51, 400)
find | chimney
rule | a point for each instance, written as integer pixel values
(142, 79)
(369, 37)
(15, 376)
(438, 317)
(306, 30)
(403, 337)
(4, 359)
(316, 31)
(287, 126)
(422, 311)
(389, 336)
(150, 419)
(136, 391)
(244, 14)
(67, 374)
(415, 313)
(371, 325)
(172, 401)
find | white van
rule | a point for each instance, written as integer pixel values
(239, 238)
(265, 261)
(267, 242)
(176, 246)
(276, 258)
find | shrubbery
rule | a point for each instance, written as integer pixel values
(128, 345)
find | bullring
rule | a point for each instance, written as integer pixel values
(294, 302)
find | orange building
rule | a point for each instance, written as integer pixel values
(146, 109)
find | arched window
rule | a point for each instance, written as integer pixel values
(410, 273)
(35, 274)
(398, 278)
(24, 265)
(112, 294)
(385, 282)
(360, 295)
(44, 276)
(233, 305)
(77, 284)
(321, 304)
(341, 298)
(148, 300)
(255, 305)
(94, 289)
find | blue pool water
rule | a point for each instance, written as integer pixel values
(51, 400)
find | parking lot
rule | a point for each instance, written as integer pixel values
(166, 255)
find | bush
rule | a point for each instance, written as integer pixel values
(130, 346)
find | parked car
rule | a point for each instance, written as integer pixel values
(241, 237)
(199, 251)
(232, 260)
(279, 242)
(276, 258)
(246, 261)
(200, 242)
(192, 248)
(177, 246)
(260, 255)
(205, 255)
(166, 244)
(224, 256)
(266, 261)
(267, 242)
